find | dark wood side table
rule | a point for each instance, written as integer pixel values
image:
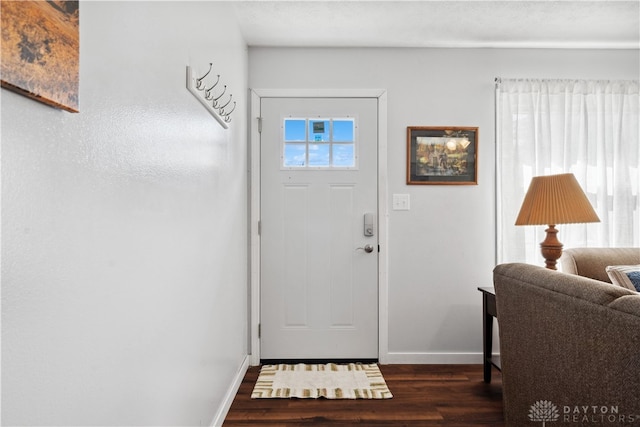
(488, 313)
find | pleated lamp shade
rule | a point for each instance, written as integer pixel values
(555, 199)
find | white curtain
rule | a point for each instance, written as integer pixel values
(588, 128)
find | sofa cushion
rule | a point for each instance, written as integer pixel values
(627, 276)
(629, 304)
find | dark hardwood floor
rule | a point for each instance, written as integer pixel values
(423, 395)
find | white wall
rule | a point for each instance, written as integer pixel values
(124, 252)
(444, 247)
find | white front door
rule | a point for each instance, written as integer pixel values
(319, 233)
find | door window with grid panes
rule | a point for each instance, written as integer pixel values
(319, 143)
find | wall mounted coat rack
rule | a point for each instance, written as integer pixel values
(213, 95)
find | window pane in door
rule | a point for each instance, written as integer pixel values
(295, 155)
(343, 130)
(343, 155)
(295, 130)
(319, 130)
(319, 155)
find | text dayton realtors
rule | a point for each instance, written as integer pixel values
(596, 414)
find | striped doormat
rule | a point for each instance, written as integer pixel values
(331, 381)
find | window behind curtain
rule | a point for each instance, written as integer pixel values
(588, 128)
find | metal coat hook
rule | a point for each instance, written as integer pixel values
(215, 100)
(211, 101)
(227, 117)
(199, 81)
(207, 92)
(221, 108)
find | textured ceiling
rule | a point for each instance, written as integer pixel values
(402, 23)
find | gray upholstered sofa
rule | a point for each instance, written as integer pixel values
(569, 348)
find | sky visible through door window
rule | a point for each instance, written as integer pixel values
(323, 143)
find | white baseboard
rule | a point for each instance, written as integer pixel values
(433, 358)
(221, 414)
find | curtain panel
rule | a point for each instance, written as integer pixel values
(588, 128)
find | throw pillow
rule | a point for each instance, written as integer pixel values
(627, 276)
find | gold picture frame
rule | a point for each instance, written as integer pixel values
(41, 51)
(442, 155)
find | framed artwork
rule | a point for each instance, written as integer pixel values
(40, 55)
(442, 155)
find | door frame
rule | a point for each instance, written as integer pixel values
(255, 214)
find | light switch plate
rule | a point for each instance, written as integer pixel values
(401, 202)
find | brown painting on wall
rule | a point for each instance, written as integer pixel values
(442, 155)
(41, 51)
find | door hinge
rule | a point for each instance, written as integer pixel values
(259, 124)
(259, 330)
(259, 228)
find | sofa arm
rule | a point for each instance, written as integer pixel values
(592, 262)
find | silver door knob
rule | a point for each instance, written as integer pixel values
(367, 248)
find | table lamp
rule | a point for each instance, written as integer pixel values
(552, 200)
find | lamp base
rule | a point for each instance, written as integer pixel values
(551, 248)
